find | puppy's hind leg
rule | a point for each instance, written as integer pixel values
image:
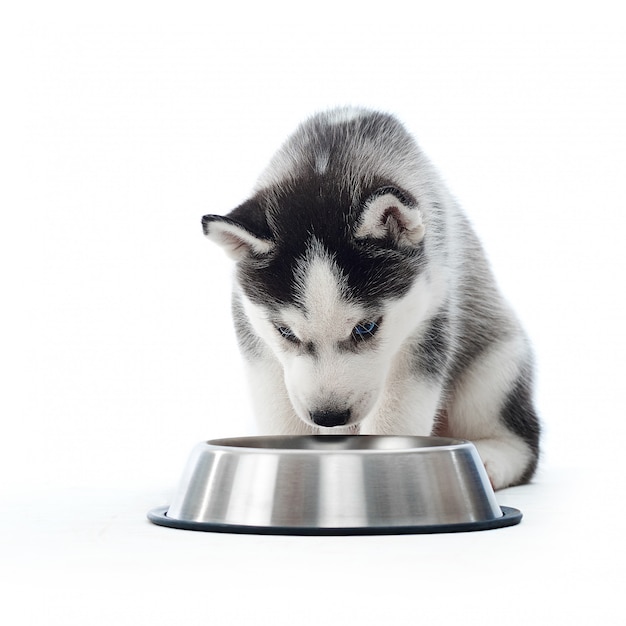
(492, 406)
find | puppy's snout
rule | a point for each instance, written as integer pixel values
(328, 419)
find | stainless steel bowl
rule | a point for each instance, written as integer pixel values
(333, 484)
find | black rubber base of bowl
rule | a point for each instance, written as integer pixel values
(510, 517)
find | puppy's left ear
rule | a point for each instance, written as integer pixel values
(390, 213)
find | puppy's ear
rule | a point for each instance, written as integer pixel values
(243, 232)
(390, 213)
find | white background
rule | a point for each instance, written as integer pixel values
(121, 124)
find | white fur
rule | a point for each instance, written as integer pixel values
(387, 212)
(321, 162)
(375, 384)
(237, 242)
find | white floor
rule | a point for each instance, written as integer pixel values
(121, 124)
(90, 557)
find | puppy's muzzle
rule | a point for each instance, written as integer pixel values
(328, 419)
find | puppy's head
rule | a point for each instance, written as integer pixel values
(329, 284)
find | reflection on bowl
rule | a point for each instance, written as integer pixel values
(335, 484)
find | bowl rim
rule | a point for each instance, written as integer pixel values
(439, 444)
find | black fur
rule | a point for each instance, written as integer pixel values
(249, 216)
(317, 209)
(520, 417)
(432, 353)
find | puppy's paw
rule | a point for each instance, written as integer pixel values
(505, 460)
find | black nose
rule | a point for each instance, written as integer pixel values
(328, 419)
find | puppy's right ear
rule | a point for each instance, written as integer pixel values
(241, 233)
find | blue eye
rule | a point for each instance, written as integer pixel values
(287, 334)
(365, 330)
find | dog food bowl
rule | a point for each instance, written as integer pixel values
(335, 485)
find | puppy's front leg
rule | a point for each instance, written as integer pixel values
(408, 407)
(273, 410)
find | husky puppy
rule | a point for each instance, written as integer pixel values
(363, 302)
